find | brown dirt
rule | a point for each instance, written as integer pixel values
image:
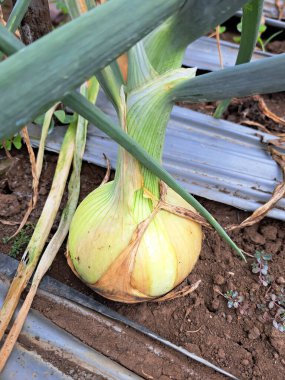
(31, 29)
(248, 109)
(67, 364)
(242, 341)
(142, 355)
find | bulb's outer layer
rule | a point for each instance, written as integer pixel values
(100, 230)
(129, 261)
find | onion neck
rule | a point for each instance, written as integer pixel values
(144, 112)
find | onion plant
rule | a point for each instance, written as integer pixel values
(137, 237)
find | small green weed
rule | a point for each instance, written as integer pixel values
(261, 42)
(277, 303)
(20, 241)
(58, 116)
(234, 299)
(273, 307)
(222, 29)
(14, 141)
(261, 267)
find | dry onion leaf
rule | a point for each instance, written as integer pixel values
(278, 193)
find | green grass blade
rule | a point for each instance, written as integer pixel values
(266, 42)
(259, 77)
(17, 14)
(195, 19)
(81, 106)
(41, 73)
(252, 13)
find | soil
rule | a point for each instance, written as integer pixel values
(242, 341)
(247, 109)
(141, 354)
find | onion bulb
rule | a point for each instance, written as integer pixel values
(126, 240)
(127, 252)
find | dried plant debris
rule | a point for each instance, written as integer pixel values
(277, 195)
(261, 127)
(280, 6)
(178, 293)
(266, 111)
(35, 175)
